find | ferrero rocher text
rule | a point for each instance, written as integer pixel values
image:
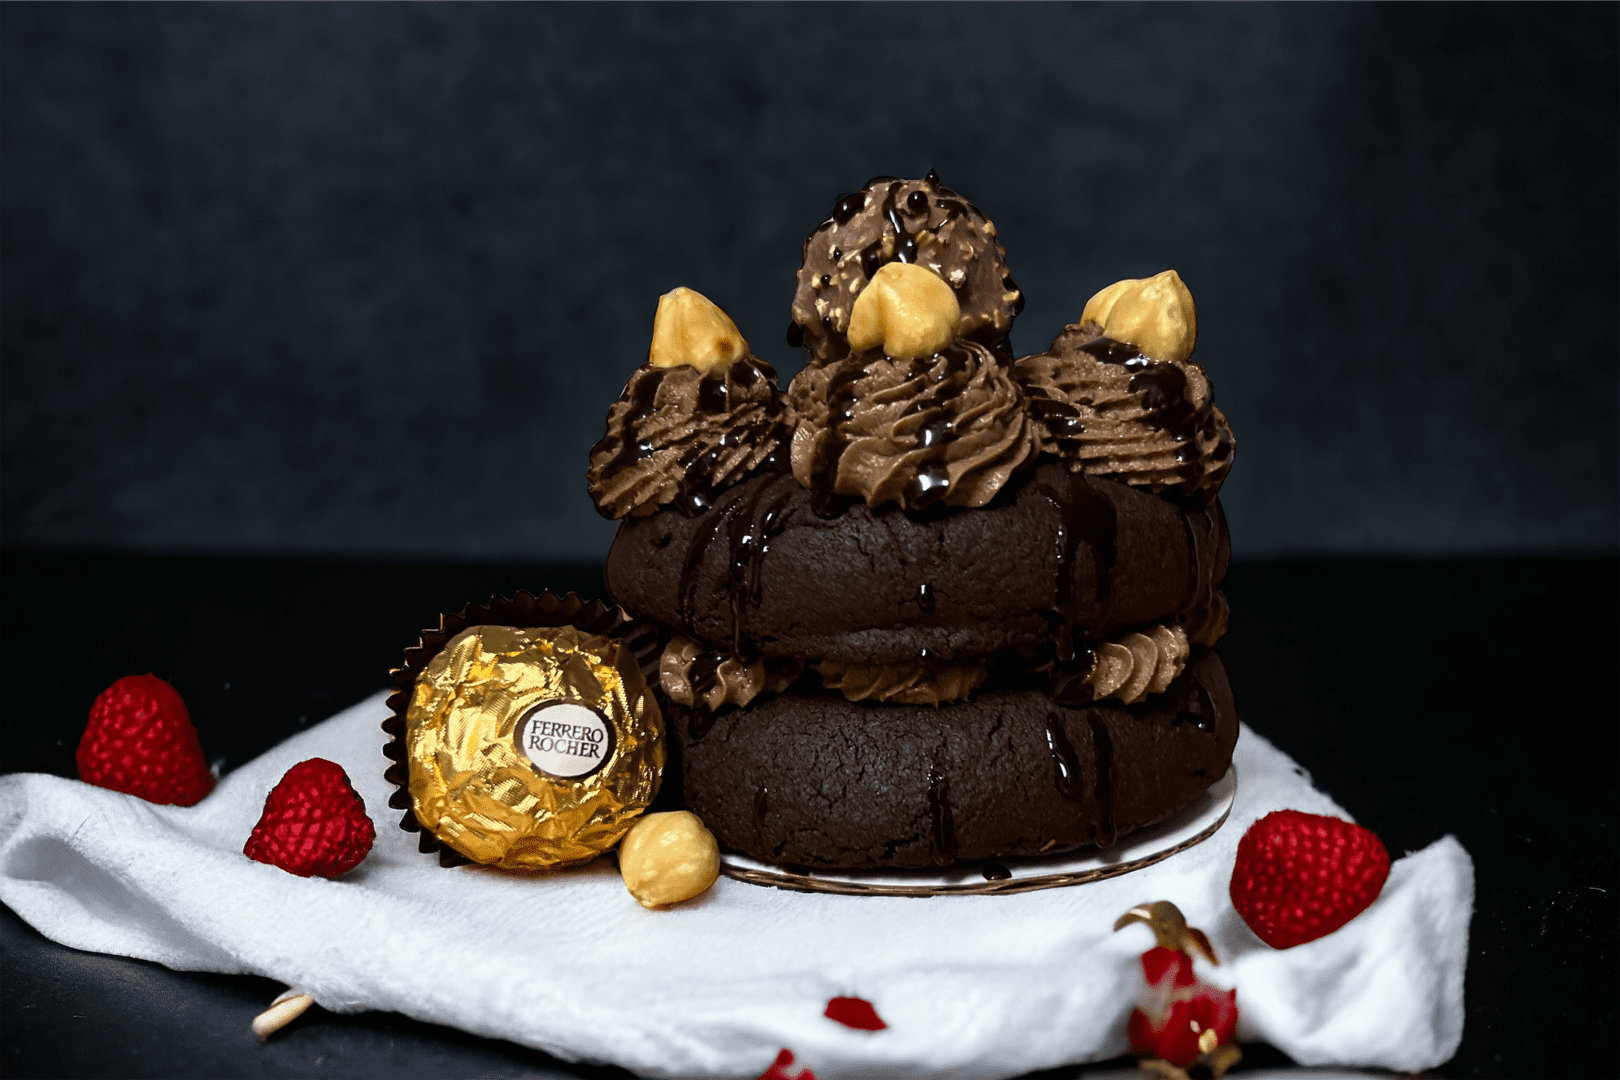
(532, 748)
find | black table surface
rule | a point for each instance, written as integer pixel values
(1473, 697)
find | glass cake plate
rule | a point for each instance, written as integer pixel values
(1187, 827)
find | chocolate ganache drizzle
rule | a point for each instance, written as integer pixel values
(1110, 411)
(679, 436)
(911, 221)
(947, 429)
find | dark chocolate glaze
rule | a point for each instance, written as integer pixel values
(762, 798)
(994, 871)
(1065, 765)
(1086, 517)
(1164, 391)
(1102, 784)
(1110, 351)
(1071, 676)
(1202, 710)
(942, 825)
(848, 206)
(746, 524)
(841, 399)
(700, 676)
(640, 394)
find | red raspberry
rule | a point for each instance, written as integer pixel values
(1159, 964)
(140, 741)
(314, 823)
(1302, 876)
(1180, 1033)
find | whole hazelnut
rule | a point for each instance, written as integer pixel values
(666, 858)
(1155, 314)
(690, 329)
(906, 308)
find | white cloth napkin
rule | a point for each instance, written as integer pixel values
(980, 986)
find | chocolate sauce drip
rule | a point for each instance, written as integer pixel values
(942, 832)
(795, 335)
(953, 208)
(905, 245)
(744, 376)
(1200, 588)
(917, 202)
(994, 871)
(700, 676)
(641, 394)
(1059, 417)
(1200, 710)
(747, 523)
(824, 469)
(932, 179)
(925, 598)
(750, 536)
(761, 806)
(1065, 765)
(700, 721)
(1011, 285)
(1102, 747)
(1110, 351)
(871, 258)
(1063, 650)
(931, 484)
(1164, 394)
(1071, 682)
(848, 207)
(713, 394)
(1086, 516)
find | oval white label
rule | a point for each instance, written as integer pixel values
(564, 739)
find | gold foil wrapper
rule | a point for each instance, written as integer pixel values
(532, 748)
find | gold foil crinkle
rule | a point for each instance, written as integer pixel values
(473, 786)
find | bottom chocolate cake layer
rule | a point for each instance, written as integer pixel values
(815, 781)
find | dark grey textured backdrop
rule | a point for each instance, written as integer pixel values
(364, 280)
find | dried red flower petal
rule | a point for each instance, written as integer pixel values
(779, 1069)
(854, 1012)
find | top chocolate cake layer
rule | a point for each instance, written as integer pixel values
(762, 574)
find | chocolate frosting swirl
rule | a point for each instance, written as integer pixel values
(1128, 668)
(912, 221)
(1109, 411)
(677, 435)
(950, 428)
(696, 676)
(921, 683)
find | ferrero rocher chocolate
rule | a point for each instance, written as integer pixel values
(532, 748)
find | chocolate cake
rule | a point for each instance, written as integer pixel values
(933, 604)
